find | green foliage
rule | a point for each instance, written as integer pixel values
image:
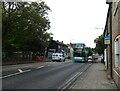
(24, 26)
(99, 45)
(89, 50)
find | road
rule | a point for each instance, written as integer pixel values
(53, 76)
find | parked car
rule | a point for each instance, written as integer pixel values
(58, 57)
(90, 59)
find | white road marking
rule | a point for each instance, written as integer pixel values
(79, 73)
(15, 74)
(20, 70)
(26, 70)
(40, 67)
(10, 75)
(70, 80)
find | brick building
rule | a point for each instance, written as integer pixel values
(112, 50)
(56, 46)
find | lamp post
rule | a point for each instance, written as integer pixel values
(98, 28)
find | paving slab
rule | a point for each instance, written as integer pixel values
(94, 78)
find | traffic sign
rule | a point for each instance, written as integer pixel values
(107, 39)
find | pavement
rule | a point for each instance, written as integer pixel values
(24, 62)
(94, 78)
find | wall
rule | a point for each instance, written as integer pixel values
(115, 33)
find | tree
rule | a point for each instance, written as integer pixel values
(89, 51)
(99, 45)
(25, 26)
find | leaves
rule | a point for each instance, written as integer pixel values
(100, 45)
(25, 26)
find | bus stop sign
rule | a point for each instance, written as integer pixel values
(107, 40)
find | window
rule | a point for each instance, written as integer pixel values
(76, 54)
(117, 53)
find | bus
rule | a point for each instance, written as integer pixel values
(79, 54)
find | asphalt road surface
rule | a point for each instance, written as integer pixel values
(54, 76)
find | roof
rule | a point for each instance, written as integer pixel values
(105, 29)
(60, 43)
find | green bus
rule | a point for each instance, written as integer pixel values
(79, 54)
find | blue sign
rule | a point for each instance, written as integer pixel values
(107, 38)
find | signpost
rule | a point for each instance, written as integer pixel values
(107, 39)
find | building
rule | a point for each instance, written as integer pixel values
(107, 51)
(56, 46)
(112, 45)
(70, 52)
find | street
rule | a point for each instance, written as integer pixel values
(53, 75)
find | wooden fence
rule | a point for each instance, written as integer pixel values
(18, 57)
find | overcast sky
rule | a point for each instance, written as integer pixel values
(76, 20)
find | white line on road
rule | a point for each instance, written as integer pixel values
(14, 74)
(40, 67)
(26, 70)
(20, 70)
(78, 74)
(70, 80)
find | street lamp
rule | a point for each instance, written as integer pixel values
(98, 28)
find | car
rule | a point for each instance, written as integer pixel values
(58, 57)
(90, 59)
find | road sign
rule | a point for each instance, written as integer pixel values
(107, 40)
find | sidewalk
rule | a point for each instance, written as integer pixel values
(24, 62)
(94, 78)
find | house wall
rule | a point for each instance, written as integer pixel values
(65, 48)
(56, 46)
(115, 33)
(115, 41)
(70, 52)
(53, 47)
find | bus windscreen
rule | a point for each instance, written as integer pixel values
(75, 54)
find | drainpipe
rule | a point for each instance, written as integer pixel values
(111, 39)
(104, 45)
(110, 5)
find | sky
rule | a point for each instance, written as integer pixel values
(76, 21)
